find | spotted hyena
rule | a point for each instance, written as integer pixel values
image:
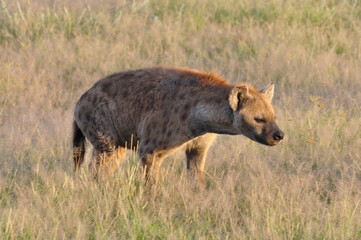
(163, 109)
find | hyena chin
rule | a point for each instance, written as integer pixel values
(163, 109)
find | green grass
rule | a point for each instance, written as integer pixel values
(308, 187)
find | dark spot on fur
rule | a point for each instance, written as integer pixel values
(87, 117)
(208, 100)
(161, 143)
(149, 128)
(177, 130)
(106, 86)
(113, 92)
(169, 133)
(127, 75)
(195, 102)
(164, 129)
(125, 94)
(182, 96)
(147, 107)
(166, 117)
(94, 100)
(187, 106)
(192, 93)
(184, 116)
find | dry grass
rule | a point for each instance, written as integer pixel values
(308, 187)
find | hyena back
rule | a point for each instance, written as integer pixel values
(163, 109)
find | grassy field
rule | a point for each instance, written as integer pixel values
(307, 187)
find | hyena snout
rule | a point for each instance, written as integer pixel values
(275, 136)
(271, 135)
(278, 135)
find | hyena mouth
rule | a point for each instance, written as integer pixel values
(267, 142)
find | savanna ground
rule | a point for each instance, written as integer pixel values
(307, 187)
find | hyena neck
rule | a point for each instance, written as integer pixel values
(216, 117)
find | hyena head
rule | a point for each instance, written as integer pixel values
(254, 115)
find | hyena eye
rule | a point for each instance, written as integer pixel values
(260, 120)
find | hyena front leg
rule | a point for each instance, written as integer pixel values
(104, 164)
(196, 152)
(150, 164)
(151, 160)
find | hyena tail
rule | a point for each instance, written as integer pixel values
(78, 146)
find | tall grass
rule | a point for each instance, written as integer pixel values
(308, 187)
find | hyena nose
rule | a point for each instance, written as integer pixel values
(278, 135)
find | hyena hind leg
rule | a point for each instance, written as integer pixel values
(104, 164)
(196, 152)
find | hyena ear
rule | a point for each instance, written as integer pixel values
(268, 91)
(238, 96)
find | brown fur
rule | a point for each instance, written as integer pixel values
(163, 109)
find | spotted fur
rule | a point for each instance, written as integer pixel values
(163, 109)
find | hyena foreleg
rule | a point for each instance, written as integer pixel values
(196, 152)
(150, 164)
